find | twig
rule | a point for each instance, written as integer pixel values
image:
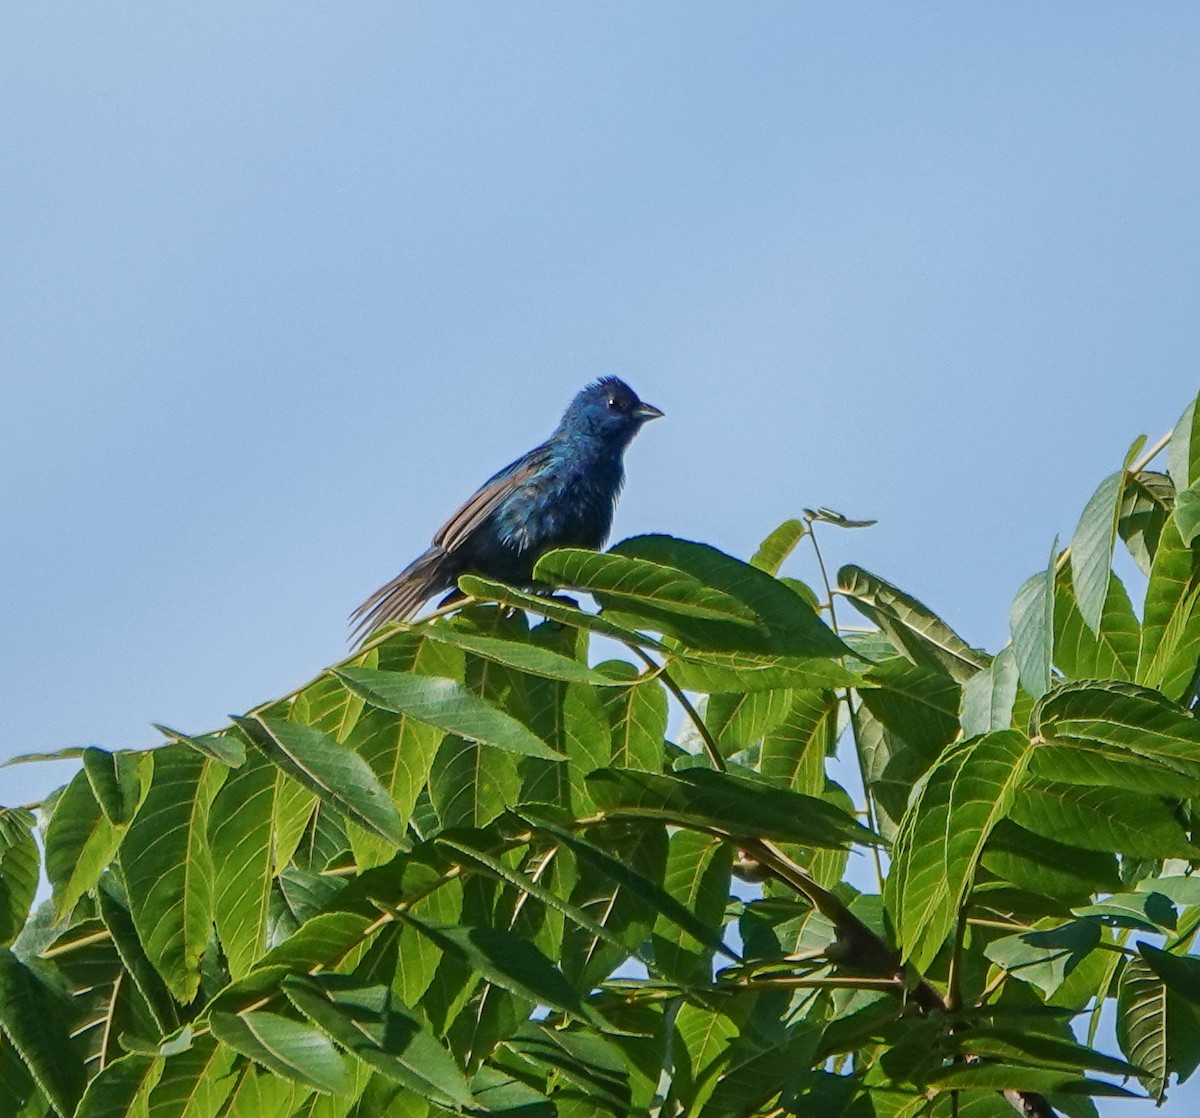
(710, 743)
(872, 812)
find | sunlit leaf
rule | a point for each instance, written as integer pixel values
(1092, 547)
(934, 862)
(704, 799)
(1032, 622)
(18, 871)
(168, 866)
(449, 706)
(988, 696)
(1170, 643)
(639, 586)
(1109, 653)
(783, 622)
(335, 773)
(1116, 733)
(1145, 509)
(194, 1083)
(387, 1037)
(923, 636)
(286, 1047)
(778, 546)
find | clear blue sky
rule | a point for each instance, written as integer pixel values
(281, 283)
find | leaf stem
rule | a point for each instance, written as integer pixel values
(872, 813)
(711, 748)
(954, 975)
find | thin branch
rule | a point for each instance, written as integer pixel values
(710, 743)
(954, 977)
(872, 812)
(799, 982)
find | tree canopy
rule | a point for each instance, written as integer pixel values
(704, 850)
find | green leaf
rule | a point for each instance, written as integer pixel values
(1181, 973)
(639, 586)
(194, 1083)
(1014, 1077)
(1040, 1049)
(1146, 508)
(1046, 956)
(449, 706)
(321, 941)
(915, 629)
(1187, 513)
(783, 622)
(698, 877)
(556, 609)
(1032, 624)
(243, 833)
(735, 671)
(794, 752)
(638, 872)
(327, 706)
(943, 834)
(778, 546)
(1143, 1025)
(1110, 653)
(225, 746)
(988, 697)
(1171, 618)
(497, 1092)
(741, 719)
(1066, 874)
(120, 1087)
(285, 1047)
(510, 962)
(703, 799)
(138, 968)
(1183, 458)
(530, 658)
(34, 1019)
(471, 785)
(115, 781)
(1149, 911)
(18, 871)
(168, 867)
(1116, 733)
(637, 718)
(531, 887)
(1092, 548)
(914, 702)
(590, 1063)
(384, 1035)
(1101, 818)
(81, 840)
(400, 752)
(337, 775)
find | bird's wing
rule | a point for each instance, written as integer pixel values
(489, 497)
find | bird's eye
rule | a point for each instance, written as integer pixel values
(612, 401)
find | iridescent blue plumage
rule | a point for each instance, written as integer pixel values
(561, 494)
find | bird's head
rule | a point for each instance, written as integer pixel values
(607, 409)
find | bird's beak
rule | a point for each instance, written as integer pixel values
(646, 411)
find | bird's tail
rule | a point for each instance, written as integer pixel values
(428, 574)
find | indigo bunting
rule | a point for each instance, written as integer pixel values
(560, 494)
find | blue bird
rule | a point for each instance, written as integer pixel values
(560, 494)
